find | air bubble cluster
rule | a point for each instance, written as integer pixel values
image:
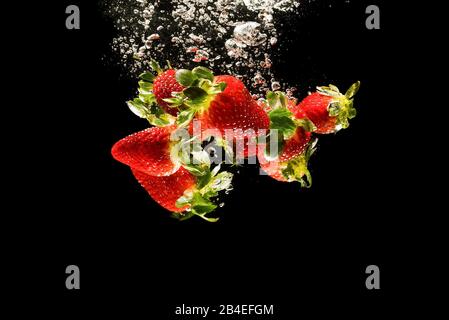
(235, 37)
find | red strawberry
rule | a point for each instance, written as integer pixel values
(220, 103)
(291, 164)
(148, 151)
(295, 145)
(234, 108)
(328, 109)
(167, 190)
(293, 137)
(163, 86)
(185, 193)
(153, 90)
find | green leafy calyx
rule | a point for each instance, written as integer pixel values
(283, 121)
(189, 153)
(145, 105)
(297, 168)
(342, 105)
(200, 89)
(209, 184)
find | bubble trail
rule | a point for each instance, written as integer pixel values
(235, 37)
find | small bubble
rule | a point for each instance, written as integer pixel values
(275, 86)
(153, 37)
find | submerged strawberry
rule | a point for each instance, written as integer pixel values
(185, 193)
(292, 163)
(221, 103)
(164, 85)
(233, 108)
(328, 109)
(150, 104)
(292, 137)
(295, 145)
(167, 190)
(148, 151)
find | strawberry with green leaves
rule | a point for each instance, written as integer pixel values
(219, 103)
(153, 90)
(174, 169)
(183, 182)
(167, 190)
(328, 109)
(293, 139)
(292, 164)
(164, 85)
(187, 193)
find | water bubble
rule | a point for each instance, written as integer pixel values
(249, 34)
(201, 55)
(275, 86)
(216, 183)
(258, 79)
(153, 37)
(267, 63)
(197, 39)
(230, 43)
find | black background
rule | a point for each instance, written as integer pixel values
(302, 250)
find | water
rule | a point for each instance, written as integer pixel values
(235, 37)
(270, 5)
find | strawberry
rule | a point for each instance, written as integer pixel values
(295, 145)
(234, 108)
(163, 86)
(184, 193)
(221, 103)
(153, 90)
(292, 163)
(293, 141)
(167, 190)
(148, 151)
(328, 109)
